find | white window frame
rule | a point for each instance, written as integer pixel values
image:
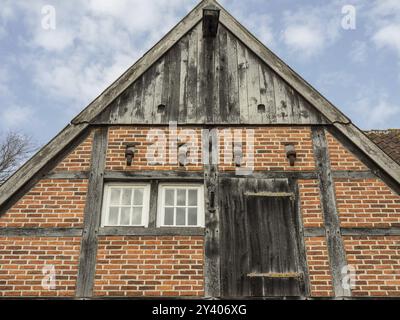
(200, 204)
(107, 198)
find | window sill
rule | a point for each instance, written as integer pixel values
(142, 231)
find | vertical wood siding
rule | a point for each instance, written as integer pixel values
(210, 81)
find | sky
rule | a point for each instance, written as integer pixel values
(57, 56)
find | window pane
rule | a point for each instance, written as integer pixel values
(126, 196)
(180, 216)
(169, 197)
(113, 216)
(137, 216)
(192, 217)
(169, 217)
(181, 197)
(138, 198)
(192, 198)
(125, 216)
(115, 194)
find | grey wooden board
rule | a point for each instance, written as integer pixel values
(88, 253)
(251, 239)
(151, 231)
(336, 251)
(40, 232)
(214, 81)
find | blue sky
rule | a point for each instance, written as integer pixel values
(48, 76)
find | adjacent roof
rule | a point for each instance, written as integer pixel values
(80, 123)
(388, 141)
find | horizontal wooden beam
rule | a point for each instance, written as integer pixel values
(40, 232)
(161, 231)
(69, 175)
(139, 231)
(343, 174)
(320, 232)
(140, 175)
(122, 175)
(153, 175)
(370, 231)
(272, 175)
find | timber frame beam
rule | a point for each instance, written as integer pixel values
(334, 241)
(92, 216)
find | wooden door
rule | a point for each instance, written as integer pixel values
(259, 239)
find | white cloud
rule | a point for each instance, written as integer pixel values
(309, 30)
(388, 36)
(93, 44)
(15, 116)
(258, 23)
(358, 52)
(304, 39)
(375, 112)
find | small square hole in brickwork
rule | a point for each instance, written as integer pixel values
(261, 108)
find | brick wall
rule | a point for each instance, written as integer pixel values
(318, 266)
(310, 203)
(367, 203)
(79, 158)
(119, 136)
(50, 203)
(150, 266)
(377, 265)
(341, 158)
(269, 149)
(22, 260)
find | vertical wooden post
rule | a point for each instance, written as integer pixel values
(212, 235)
(92, 215)
(301, 249)
(336, 251)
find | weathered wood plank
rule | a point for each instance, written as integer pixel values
(201, 78)
(191, 86)
(243, 66)
(356, 232)
(233, 112)
(183, 90)
(151, 231)
(222, 114)
(301, 246)
(158, 90)
(281, 100)
(151, 175)
(69, 175)
(172, 110)
(153, 203)
(40, 232)
(92, 215)
(212, 252)
(336, 251)
(209, 70)
(253, 89)
(274, 174)
(148, 95)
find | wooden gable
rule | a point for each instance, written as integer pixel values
(213, 81)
